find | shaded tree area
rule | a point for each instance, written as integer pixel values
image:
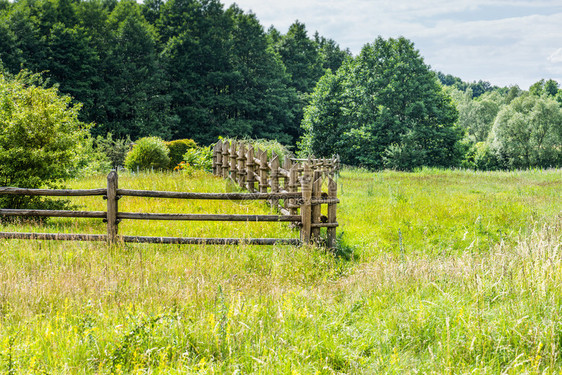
(173, 69)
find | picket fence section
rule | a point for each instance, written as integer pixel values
(254, 170)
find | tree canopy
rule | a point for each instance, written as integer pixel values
(173, 69)
(378, 107)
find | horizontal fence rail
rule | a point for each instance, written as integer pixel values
(206, 196)
(52, 192)
(113, 216)
(155, 240)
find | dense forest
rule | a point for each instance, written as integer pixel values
(179, 69)
(195, 69)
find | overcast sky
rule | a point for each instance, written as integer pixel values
(505, 42)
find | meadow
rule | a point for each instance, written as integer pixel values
(435, 272)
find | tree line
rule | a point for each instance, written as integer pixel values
(174, 69)
(385, 108)
(181, 69)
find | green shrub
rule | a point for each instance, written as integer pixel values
(148, 153)
(482, 157)
(40, 138)
(198, 158)
(178, 149)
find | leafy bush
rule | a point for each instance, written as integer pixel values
(199, 158)
(482, 157)
(178, 148)
(148, 153)
(405, 156)
(40, 138)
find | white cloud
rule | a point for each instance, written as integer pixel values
(503, 41)
(556, 56)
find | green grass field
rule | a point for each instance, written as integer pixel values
(440, 272)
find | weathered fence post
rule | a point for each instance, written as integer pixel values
(306, 212)
(233, 161)
(250, 163)
(332, 208)
(316, 208)
(274, 179)
(112, 186)
(217, 158)
(225, 158)
(293, 187)
(263, 171)
(287, 164)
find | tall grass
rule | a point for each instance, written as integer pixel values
(439, 306)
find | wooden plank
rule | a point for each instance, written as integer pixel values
(217, 158)
(306, 208)
(332, 208)
(264, 169)
(293, 188)
(54, 236)
(52, 192)
(284, 172)
(208, 217)
(241, 168)
(206, 196)
(52, 213)
(316, 208)
(233, 161)
(112, 207)
(274, 178)
(250, 169)
(157, 240)
(318, 201)
(212, 241)
(225, 159)
(325, 225)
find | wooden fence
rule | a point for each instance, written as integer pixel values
(112, 216)
(252, 169)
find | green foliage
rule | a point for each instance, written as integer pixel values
(148, 153)
(270, 146)
(178, 149)
(114, 149)
(383, 105)
(92, 158)
(301, 58)
(403, 157)
(476, 88)
(477, 116)
(199, 158)
(542, 87)
(528, 132)
(481, 156)
(40, 136)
